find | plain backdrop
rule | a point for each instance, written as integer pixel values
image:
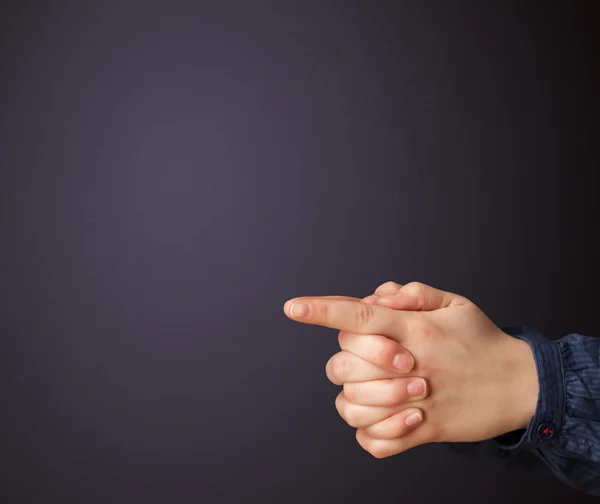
(172, 172)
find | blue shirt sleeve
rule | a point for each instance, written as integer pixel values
(564, 432)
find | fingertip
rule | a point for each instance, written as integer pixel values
(286, 306)
(299, 310)
(414, 418)
(403, 362)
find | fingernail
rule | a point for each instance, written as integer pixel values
(298, 310)
(416, 388)
(403, 362)
(414, 419)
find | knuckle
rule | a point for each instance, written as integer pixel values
(372, 299)
(388, 287)
(331, 372)
(340, 367)
(415, 290)
(358, 437)
(351, 416)
(363, 315)
(349, 392)
(471, 307)
(339, 406)
(378, 450)
(414, 287)
(323, 311)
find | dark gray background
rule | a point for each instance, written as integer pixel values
(173, 172)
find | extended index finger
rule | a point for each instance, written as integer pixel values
(343, 298)
(351, 316)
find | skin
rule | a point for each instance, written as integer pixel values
(479, 382)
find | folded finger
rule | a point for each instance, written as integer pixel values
(345, 367)
(388, 288)
(381, 448)
(396, 425)
(357, 416)
(380, 351)
(388, 392)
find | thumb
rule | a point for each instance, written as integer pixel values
(417, 296)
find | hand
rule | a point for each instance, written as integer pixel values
(483, 382)
(372, 370)
(383, 364)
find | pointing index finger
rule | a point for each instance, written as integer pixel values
(351, 316)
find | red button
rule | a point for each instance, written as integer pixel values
(546, 431)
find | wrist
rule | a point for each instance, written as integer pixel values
(523, 388)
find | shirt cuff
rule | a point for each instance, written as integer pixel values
(545, 426)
